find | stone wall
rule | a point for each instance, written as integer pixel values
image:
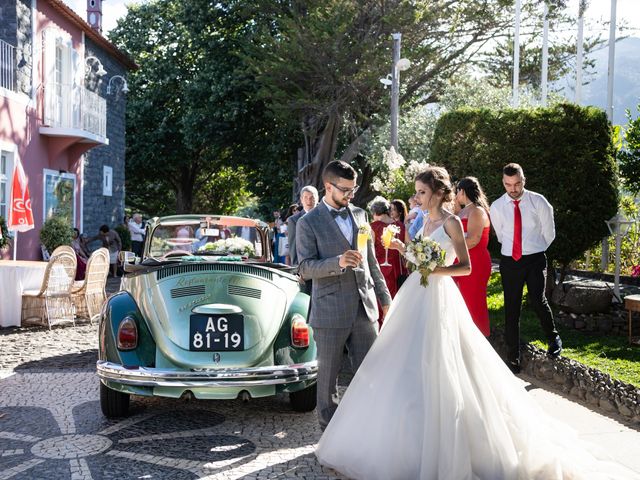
(24, 53)
(614, 322)
(16, 29)
(8, 21)
(99, 209)
(588, 385)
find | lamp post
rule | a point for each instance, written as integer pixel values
(545, 55)
(515, 101)
(619, 226)
(399, 64)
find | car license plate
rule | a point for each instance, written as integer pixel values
(211, 333)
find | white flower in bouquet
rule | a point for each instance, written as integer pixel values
(234, 245)
(424, 255)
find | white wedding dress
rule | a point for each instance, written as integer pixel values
(432, 400)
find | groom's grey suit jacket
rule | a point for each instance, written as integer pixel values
(336, 293)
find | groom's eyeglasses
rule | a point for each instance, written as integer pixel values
(347, 192)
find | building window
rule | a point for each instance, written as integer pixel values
(60, 195)
(6, 170)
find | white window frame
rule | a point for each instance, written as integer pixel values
(54, 177)
(11, 153)
(107, 181)
(62, 73)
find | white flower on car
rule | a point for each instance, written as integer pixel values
(234, 245)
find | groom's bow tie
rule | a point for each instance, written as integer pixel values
(340, 213)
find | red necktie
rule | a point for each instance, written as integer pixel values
(516, 252)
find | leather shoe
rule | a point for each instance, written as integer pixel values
(555, 347)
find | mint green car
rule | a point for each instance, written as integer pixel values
(205, 313)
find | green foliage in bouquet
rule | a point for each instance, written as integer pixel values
(56, 231)
(4, 240)
(567, 154)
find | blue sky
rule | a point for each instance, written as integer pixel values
(627, 10)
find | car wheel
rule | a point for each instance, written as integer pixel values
(304, 400)
(113, 403)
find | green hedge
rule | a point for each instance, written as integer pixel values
(566, 152)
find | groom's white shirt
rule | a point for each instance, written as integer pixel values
(344, 224)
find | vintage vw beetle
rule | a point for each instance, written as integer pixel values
(205, 313)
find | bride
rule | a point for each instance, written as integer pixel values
(432, 399)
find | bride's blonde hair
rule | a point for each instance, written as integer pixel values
(437, 178)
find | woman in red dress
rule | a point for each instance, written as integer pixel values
(475, 220)
(381, 219)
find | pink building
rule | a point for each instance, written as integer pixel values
(55, 96)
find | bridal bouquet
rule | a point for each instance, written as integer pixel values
(424, 255)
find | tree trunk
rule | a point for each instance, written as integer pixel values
(184, 190)
(320, 148)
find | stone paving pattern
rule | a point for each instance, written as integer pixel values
(51, 426)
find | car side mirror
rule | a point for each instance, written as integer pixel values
(128, 260)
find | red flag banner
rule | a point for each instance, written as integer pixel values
(20, 214)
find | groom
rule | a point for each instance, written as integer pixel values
(343, 300)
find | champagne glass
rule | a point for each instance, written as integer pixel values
(387, 235)
(363, 238)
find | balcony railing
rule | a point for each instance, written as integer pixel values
(7, 66)
(75, 107)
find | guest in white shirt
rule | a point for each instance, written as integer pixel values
(308, 200)
(137, 234)
(523, 222)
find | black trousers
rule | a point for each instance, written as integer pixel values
(532, 271)
(136, 247)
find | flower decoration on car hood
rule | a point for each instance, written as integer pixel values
(235, 245)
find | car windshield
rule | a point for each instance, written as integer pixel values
(215, 239)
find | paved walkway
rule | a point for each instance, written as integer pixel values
(51, 426)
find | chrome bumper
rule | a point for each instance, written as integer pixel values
(219, 377)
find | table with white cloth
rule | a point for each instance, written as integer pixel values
(16, 277)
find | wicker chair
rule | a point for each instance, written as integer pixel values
(88, 295)
(63, 249)
(52, 303)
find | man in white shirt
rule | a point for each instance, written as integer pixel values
(137, 234)
(308, 200)
(523, 222)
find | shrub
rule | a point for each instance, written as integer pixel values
(630, 154)
(56, 231)
(125, 236)
(566, 152)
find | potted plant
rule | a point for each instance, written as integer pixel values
(55, 232)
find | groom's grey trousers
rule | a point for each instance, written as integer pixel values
(330, 343)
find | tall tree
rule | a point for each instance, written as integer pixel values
(196, 128)
(320, 61)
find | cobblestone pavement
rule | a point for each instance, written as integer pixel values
(51, 426)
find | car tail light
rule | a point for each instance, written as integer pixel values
(127, 334)
(299, 332)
